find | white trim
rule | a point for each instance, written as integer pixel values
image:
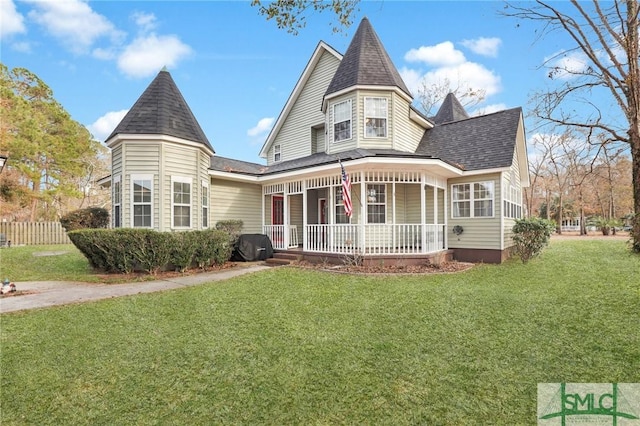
(205, 184)
(420, 120)
(367, 114)
(297, 90)
(121, 137)
(141, 177)
(182, 179)
(472, 200)
(395, 89)
(277, 150)
(333, 121)
(117, 202)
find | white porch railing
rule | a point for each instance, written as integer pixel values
(377, 239)
(276, 234)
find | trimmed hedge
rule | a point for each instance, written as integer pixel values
(124, 250)
(91, 217)
(530, 236)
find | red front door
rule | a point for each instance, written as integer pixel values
(277, 210)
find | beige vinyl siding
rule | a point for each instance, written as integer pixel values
(181, 161)
(410, 202)
(375, 143)
(406, 133)
(509, 222)
(479, 233)
(345, 145)
(294, 137)
(429, 199)
(140, 159)
(295, 213)
(116, 171)
(237, 200)
(318, 140)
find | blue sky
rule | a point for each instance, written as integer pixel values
(236, 69)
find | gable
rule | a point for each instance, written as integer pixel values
(303, 106)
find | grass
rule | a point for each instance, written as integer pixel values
(290, 346)
(62, 262)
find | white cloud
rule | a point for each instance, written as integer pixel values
(263, 126)
(488, 109)
(11, 22)
(73, 22)
(148, 54)
(462, 76)
(567, 64)
(21, 46)
(485, 46)
(442, 54)
(146, 21)
(103, 126)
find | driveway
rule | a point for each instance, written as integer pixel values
(52, 293)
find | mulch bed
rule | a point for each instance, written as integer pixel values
(443, 268)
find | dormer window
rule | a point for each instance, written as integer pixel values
(342, 121)
(375, 117)
(276, 153)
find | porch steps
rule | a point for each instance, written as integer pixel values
(282, 258)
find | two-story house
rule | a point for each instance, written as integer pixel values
(419, 185)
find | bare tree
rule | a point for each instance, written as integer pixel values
(607, 36)
(431, 94)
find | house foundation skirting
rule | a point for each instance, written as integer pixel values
(481, 255)
(368, 260)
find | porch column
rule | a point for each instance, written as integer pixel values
(263, 211)
(423, 213)
(331, 217)
(435, 213)
(285, 207)
(363, 212)
(446, 216)
(393, 210)
(304, 215)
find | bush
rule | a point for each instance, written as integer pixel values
(232, 227)
(531, 236)
(184, 249)
(92, 218)
(124, 250)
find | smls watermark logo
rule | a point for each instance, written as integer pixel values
(616, 404)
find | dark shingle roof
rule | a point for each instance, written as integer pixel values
(366, 62)
(450, 110)
(476, 143)
(223, 164)
(161, 110)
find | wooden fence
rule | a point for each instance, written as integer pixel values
(34, 233)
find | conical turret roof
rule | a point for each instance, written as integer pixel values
(162, 110)
(366, 63)
(451, 110)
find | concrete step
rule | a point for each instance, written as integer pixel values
(287, 255)
(274, 261)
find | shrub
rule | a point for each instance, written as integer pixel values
(124, 250)
(91, 217)
(232, 227)
(183, 249)
(531, 236)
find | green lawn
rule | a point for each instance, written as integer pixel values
(62, 262)
(290, 346)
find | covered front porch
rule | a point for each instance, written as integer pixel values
(394, 213)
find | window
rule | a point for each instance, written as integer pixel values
(117, 201)
(276, 153)
(341, 217)
(181, 197)
(512, 203)
(342, 121)
(142, 192)
(375, 117)
(472, 199)
(376, 204)
(205, 204)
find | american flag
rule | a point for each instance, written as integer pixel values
(346, 192)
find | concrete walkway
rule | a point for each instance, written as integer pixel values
(51, 293)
